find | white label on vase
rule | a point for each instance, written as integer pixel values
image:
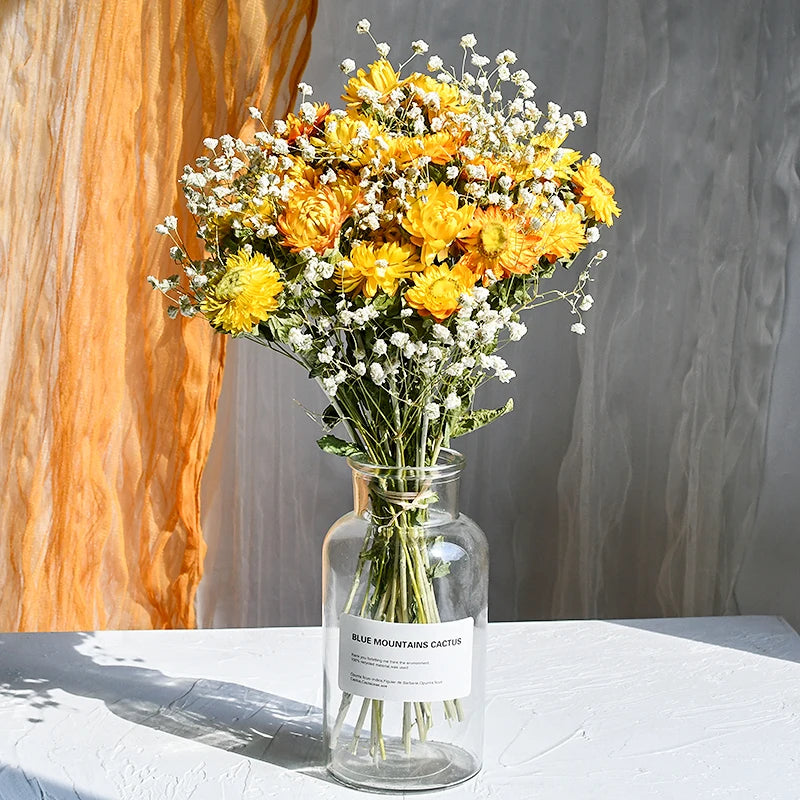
(405, 661)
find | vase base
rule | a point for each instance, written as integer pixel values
(430, 765)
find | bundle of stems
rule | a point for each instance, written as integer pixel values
(398, 588)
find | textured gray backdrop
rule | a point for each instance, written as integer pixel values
(651, 466)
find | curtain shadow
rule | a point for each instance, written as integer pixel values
(229, 716)
(770, 637)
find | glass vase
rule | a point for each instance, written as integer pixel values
(405, 585)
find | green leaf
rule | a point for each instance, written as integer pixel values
(546, 270)
(520, 294)
(439, 569)
(337, 446)
(467, 423)
(281, 324)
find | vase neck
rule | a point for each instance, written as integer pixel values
(426, 494)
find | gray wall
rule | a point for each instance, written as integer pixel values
(636, 477)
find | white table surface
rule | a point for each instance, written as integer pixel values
(679, 708)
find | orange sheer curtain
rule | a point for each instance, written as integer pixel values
(107, 407)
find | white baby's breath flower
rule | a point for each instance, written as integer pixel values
(347, 66)
(504, 73)
(170, 223)
(478, 60)
(372, 221)
(452, 173)
(455, 370)
(516, 330)
(506, 375)
(468, 40)
(308, 112)
(305, 89)
(264, 137)
(432, 410)
(255, 113)
(452, 401)
(370, 95)
(360, 369)
(377, 373)
(325, 355)
(362, 26)
(162, 229)
(506, 57)
(330, 386)
(579, 328)
(210, 143)
(519, 77)
(594, 160)
(383, 49)
(379, 348)
(419, 47)
(399, 339)
(434, 63)
(300, 341)
(586, 303)
(580, 118)
(601, 255)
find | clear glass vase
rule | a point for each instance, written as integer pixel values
(405, 585)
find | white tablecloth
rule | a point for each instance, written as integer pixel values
(679, 708)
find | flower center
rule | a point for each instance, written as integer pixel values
(441, 290)
(493, 239)
(229, 287)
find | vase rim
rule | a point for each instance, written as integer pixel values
(449, 464)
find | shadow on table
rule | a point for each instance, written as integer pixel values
(229, 716)
(17, 784)
(769, 637)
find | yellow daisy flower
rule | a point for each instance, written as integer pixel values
(493, 241)
(449, 94)
(564, 235)
(596, 194)
(437, 290)
(302, 173)
(343, 138)
(380, 77)
(434, 220)
(245, 294)
(440, 147)
(313, 217)
(562, 167)
(371, 267)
